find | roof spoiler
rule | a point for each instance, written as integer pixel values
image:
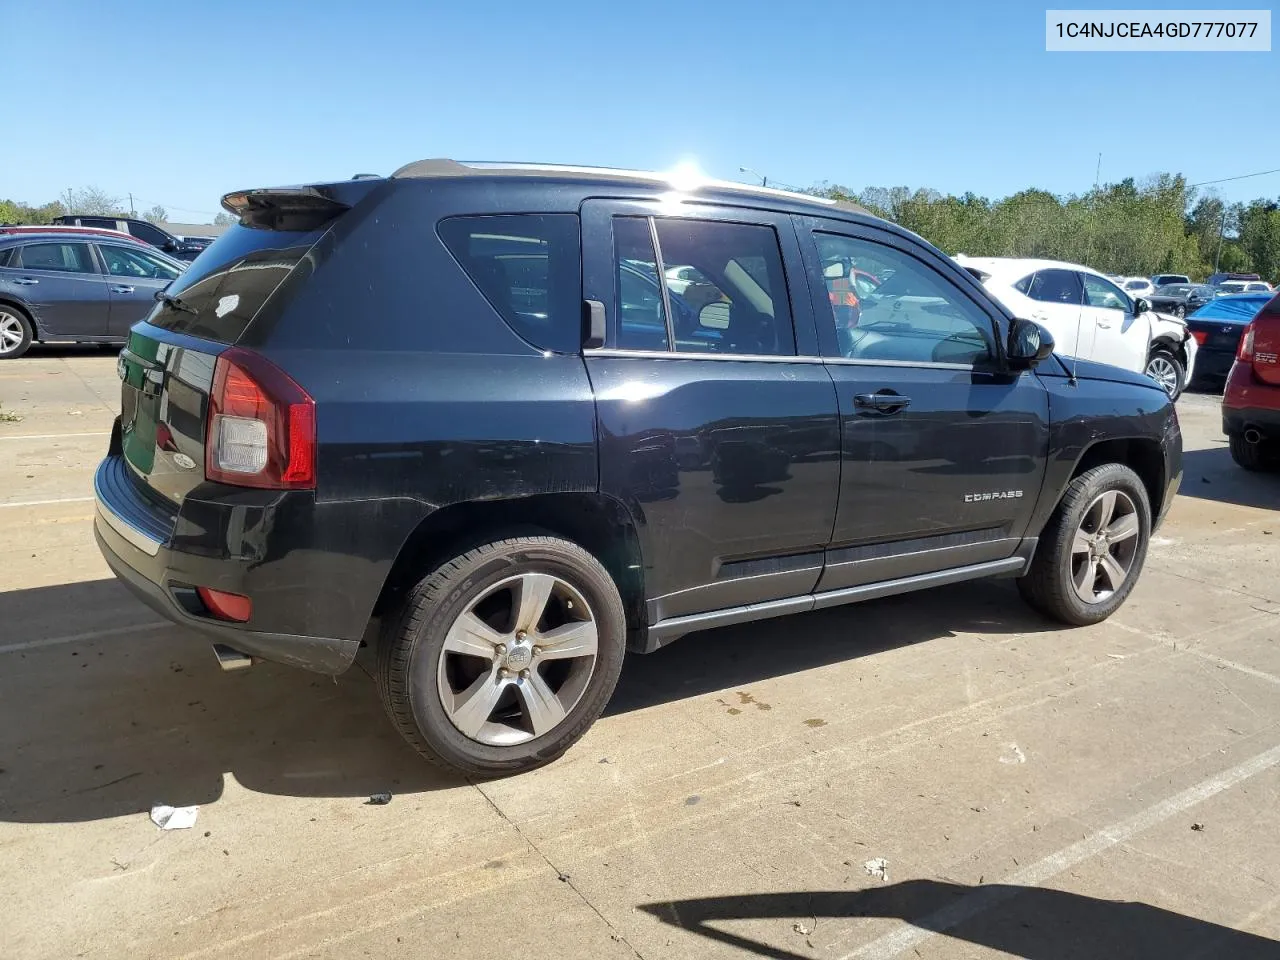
(284, 208)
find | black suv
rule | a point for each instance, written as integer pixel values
(142, 229)
(507, 422)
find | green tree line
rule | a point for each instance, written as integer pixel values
(1159, 226)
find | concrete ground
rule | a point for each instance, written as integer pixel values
(1032, 791)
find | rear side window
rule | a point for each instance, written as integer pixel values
(1055, 286)
(708, 287)
(222, 291)
(529, 268)
(5, 255)
(65, 257)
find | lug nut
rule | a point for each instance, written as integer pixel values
(504, 673)
(537, 651)
(524, 674)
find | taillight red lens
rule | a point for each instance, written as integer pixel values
(226, 606)
(262, 426)
(1245, 350)
(1200, 335)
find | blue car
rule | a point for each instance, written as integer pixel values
(70, 286)
(1217, 327)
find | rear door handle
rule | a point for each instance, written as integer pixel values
(26, 281)
(887, 402)
(120, 288)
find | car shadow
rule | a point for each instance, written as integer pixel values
(1030, 922)
(108, 726)
(56, 350)
(1211, 474)
(736, 656)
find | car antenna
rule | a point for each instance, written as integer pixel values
(1072, 380)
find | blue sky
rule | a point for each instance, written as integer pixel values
(182, 102)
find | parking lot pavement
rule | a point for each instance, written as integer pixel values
(1035, 791)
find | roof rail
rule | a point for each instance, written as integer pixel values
(680, 180)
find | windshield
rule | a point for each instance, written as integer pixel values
(1174, 290)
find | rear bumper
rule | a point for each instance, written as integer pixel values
(136, 539)
(1248, 402)
(1213, 364)
(1266, 422)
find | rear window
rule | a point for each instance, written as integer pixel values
(528, 266)
(233, 277)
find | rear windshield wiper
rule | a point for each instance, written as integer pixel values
(170, 300)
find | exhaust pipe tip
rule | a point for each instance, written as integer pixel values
(1252, 436)
(229, 659)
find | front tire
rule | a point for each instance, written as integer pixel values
(1166, 369)
(1092, 550)
(16, 333)
(504, 656)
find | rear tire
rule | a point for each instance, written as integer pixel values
(1252, 456)
(16, 333)
(1167, 370)
(471, 685)
(1061, 571)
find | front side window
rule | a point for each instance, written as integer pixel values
(1101, 292)
(725, 288)
(1056, 286)
(913, 314)
(528, 266)
(135, 263)
(64, 257)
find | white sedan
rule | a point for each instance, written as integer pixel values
(1090, 317)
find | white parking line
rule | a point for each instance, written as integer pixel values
(41, 503)
(77, 637)
(1231, 664)
(58, 436)
(984, 898)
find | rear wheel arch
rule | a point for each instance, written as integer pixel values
(601, 525)
(14, 305)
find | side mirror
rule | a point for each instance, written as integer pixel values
(1029, 344)
(1141, 305)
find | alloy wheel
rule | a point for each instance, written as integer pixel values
(1104, 546)
(1163, 371)
(11, 332)
(516, 661)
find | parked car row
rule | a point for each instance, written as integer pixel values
(1090, 317)
(75, 285)
(177, 247)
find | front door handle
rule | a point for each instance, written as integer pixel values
(1104, 326)
(120, 288)
(26, 281)
(885, 402)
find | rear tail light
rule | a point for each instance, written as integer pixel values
(262, 426)
(1200, 335)
(1244, 352)
(226, 606)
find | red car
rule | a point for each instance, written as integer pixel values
(1251, 401)
(58, 228)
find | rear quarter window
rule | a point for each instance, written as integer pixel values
(529, 268)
